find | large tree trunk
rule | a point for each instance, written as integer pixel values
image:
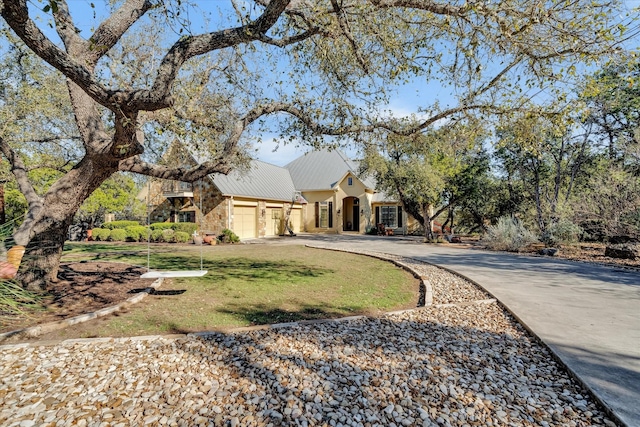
(44, 232)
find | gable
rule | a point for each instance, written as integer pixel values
(322, 170)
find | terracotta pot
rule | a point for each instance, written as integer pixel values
(14, 255)
(7, 270)
(208, 239)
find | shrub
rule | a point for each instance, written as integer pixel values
(168, 236)
(100, 234)
(136, 233)
(119, 224)
(156, 235)
(185, 227)
(508, 234)
(162, 226)
(228, 236)
(118, 235)
(181, 237)
(562, 231)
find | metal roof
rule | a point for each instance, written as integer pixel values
(262, 180)
(322, 169)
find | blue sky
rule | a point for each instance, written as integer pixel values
(403, 101)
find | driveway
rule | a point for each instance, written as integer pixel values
(588, 314)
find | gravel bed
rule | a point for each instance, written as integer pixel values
(468, 365)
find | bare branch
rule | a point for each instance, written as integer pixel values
(430, 6)
(16, 15)
(187, 47)
(111, 30)
(19, 170)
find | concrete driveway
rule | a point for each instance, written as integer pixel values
(588, 314)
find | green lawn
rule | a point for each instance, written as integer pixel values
(249, 285)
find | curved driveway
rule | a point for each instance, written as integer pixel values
(588, 314)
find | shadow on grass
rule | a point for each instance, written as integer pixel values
(246, 269)
(260, 314)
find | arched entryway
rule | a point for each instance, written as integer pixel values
(351, 214)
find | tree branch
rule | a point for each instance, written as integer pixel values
(344, 26)
(111, 30)
(16, 14)
(187, 47)
(36, 203)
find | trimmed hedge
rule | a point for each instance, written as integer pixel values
(100, 234)
(137, 233)
(185, 227)
(119, 224)
(156, 235)
(162, 225)
(118, 235)
(181, 237)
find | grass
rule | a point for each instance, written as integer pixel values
(249, 285)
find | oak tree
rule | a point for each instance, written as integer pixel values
(325, 66)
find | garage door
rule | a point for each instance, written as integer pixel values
(296, 220)
(273, 220)
(244, 221)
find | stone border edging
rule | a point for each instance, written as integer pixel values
(36, 331)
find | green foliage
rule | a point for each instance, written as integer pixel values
(119, 224)
(185, 227)
(228, 236)
(14, 298)
(181, 237)
(100, 234)
(116, 195)
(137, 233)
(118, 235)
(162, 226)
(168, 236)
(508, 234)
(157, 235)
(563, 231)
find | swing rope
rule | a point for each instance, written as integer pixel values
(170, 273)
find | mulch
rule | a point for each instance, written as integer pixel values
(82, 287)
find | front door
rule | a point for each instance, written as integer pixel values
(356, 218)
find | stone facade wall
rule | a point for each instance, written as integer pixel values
(214, 205)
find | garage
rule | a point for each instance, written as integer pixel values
(296, 220)
(244, 221)
(273, 221)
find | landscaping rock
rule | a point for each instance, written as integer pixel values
(627, 251)
(548, 251)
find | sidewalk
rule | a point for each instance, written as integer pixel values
(588, 314)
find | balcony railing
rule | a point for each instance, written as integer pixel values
(177, 189)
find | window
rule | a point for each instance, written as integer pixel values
(350, 181)
(324, 214)
(388, 216)
(187, 217)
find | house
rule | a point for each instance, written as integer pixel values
(318, 192)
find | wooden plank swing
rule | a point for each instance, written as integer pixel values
(157, 274)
